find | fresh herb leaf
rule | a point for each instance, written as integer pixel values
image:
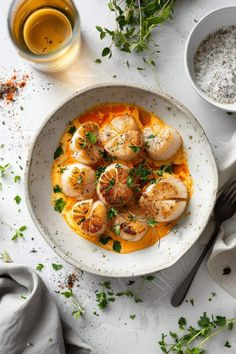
(6, 257)
(59, 204)
(151, 222)
(104, 239)
(80, 179)
(98, 61)
(111, 184)
(17, 199)
(141, 171)
(101, 299)
(116, 246)
(111, 213)
(3, 169)
(182, 322)
(91, 138)
(68, 293)
(58, 152)
(227, 344)
(150, 277)
(19, 233)
(135, 148)
(56, 266)
(132, 317)
(17, 179)
(56, 189)
(164, 168)
(39, 266)
(116, 229)
(72, 129)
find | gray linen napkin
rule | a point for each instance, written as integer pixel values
(29, 318)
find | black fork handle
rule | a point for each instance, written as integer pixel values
(183, 288)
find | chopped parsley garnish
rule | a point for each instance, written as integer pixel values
(111, 184)
(17, 179)
(135, 148)
(132, 317)
(80, 179)
(111, 213)
(164, 168)
(150, 277)
(17, 199)
(83, 145)
(106, 284)
(72, 129)
(116, 229)
(116, 246)
(59, 204)
(182, 322)
(58, 152)
(152, 136)
(91, 138)
(101, 299)
(39, 267)
(56, 189)
(130, 181)
(227, 344)
(98, 61)
(57, 266)
(63, 169)
(99, 171)
(142, 172)
(19, 233)
(3, 169)
(104, 239)
(151, 222)
(106, 156)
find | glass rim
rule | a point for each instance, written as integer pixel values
(32, 55)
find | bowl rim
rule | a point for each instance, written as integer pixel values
(33, 216)
(226, 107)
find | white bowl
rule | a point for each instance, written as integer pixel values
(225, 16)
(80, 252)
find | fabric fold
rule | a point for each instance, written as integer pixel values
(29, 317)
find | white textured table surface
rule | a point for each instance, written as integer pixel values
(112, 331)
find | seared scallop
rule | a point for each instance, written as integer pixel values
(112, 186)
(161, 142)
(86, 144)
(164, 201)
(78, 181)
(130, 227)
(121, 137)
(90, 217)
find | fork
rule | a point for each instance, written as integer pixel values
(224, 209)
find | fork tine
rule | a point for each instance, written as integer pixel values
(227, 192)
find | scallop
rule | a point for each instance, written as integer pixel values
(131, 228)
(166, 200)
(161, 142)
(121, 137)
(112, 186)
(78, 181)
(90, 217)
(86, 144)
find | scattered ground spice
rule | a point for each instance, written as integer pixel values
(10, 88)
(71, 280)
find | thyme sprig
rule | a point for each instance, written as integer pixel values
(135, 22)
(191, 340)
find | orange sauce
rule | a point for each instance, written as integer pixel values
(102, 114)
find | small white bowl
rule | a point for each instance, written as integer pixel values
(225, 16)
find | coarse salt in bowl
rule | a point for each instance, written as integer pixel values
(219, 79)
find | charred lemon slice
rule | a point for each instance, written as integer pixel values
(86, 144)
(121, 137)
(130, 227)
(112, 186)
(164, 201)
(161, 143)
(90, 217)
